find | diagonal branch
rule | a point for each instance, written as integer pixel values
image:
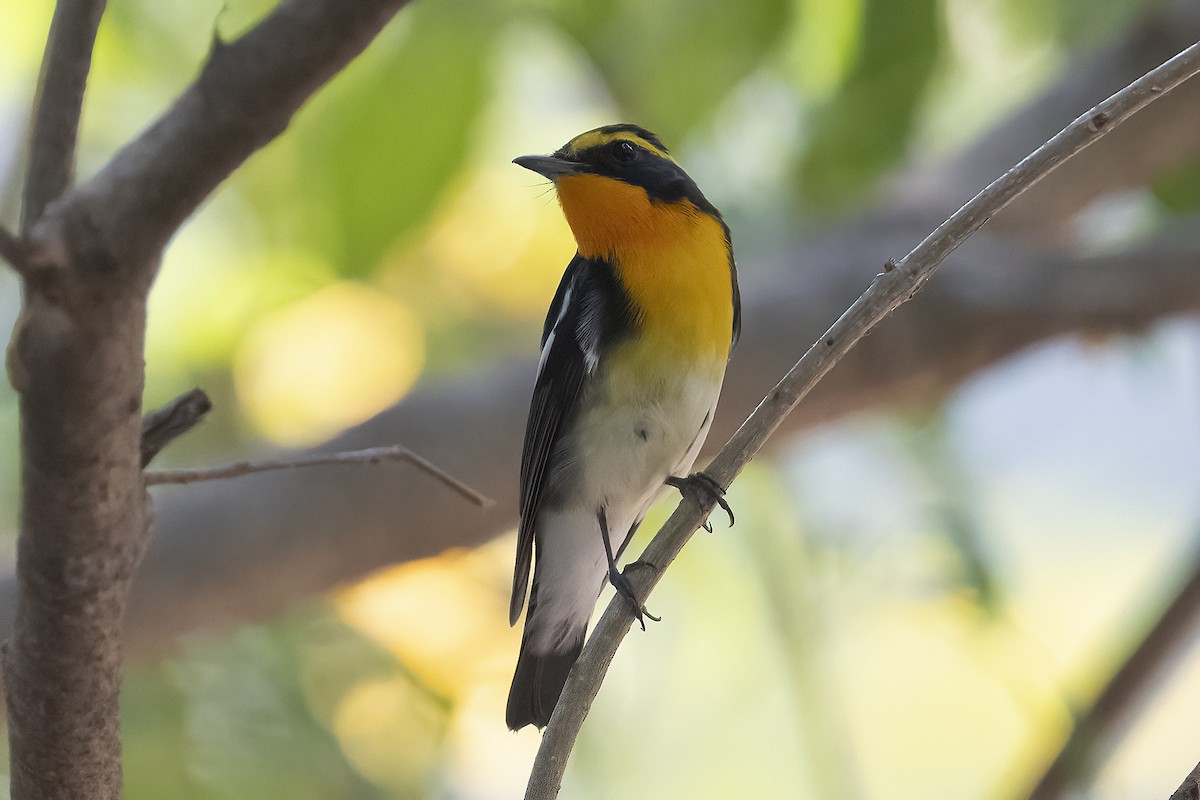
(895, 285)
(59, 105)
(1190, 788)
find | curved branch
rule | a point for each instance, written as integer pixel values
(894, 286)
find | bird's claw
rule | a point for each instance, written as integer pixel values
(625, 588)
(701, 483)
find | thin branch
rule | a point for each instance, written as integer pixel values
(59, 104)
(1098, 731)
(1190, 788)
(160, 428)
(371, 455)
(894, 286)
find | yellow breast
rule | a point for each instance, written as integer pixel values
(672, 258)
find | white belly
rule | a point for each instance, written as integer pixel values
(620, 454)
(633, 436)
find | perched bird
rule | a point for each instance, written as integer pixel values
(633, 355)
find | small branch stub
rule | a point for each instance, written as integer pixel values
(160, 428)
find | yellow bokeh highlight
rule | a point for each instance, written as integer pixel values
(22, 39)
(389, 731)
(496, 247)
(327, 362)
(445, 618)
(502, 208)
(955, 716)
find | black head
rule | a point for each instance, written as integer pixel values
(627, 153)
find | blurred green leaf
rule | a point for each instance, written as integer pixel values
(154, 737)
(953, 510)
(670, 64)
(1179, 189)
(1077, 24)
(828, 33)
(386, 138)
(864, 128)
(233, 717)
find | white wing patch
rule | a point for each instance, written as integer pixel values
(587, 331)
(562, 312)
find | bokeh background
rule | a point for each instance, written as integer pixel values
(914, 600)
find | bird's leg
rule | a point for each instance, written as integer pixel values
(699, 486)
(618, 579)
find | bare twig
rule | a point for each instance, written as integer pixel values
(1190, 788)
(371, 455)
(1099, 729)
(59, 104)
(160, 428)
(895, 285)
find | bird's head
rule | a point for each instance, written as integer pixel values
(619, 185)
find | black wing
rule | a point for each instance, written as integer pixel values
(589, 310)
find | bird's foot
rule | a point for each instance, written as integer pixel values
(700, 486)
(624, 588)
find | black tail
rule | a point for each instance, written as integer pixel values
(539, 678)
(537, 684)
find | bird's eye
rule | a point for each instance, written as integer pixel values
(624, 151)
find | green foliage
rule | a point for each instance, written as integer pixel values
(828, 39)
(670, 64)
(864, 127)
(1179, 189)
(246, 715)
(381, 145)
(1075, 23)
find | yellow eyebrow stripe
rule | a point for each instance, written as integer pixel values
(597, 138)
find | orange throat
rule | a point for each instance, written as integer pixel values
(673, 259)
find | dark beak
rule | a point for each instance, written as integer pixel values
(549, 166)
